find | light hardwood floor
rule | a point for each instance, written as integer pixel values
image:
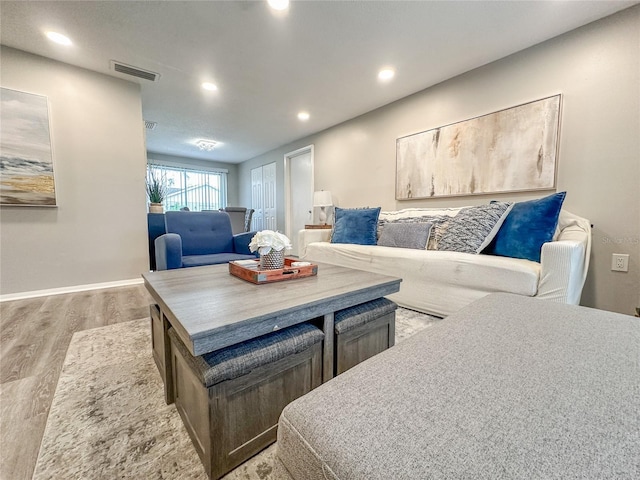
(34, 338)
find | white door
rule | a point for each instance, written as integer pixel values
(299, 193)
(269, 187)
(263, 197)
(257, 221)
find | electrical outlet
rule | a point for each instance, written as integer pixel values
(620, 262)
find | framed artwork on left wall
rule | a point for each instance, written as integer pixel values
(26, 157)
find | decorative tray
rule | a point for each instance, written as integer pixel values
(249, 270)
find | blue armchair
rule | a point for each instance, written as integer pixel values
(200, 238)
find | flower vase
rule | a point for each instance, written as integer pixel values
(272, 260)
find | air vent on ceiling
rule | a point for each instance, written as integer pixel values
(150, 125)
(134, 71)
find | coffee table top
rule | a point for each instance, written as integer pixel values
(211, 309)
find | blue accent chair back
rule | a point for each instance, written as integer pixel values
(199, 238)
(202, 233)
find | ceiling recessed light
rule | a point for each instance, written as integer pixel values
(207, 145)
(209, 86)
(58, 38)
(304, 116)
(278, 4)
(386, 74)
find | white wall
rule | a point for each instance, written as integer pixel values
(596, 68)
(98, 232)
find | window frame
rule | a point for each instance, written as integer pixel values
(205, 201)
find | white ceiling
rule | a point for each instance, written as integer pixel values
(321, 56)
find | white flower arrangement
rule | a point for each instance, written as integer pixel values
(266, 240)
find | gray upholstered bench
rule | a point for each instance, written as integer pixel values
(507, 388)
(363, 331)
(230, 400)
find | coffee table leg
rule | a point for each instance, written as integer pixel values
(161, 348)
(168, 370)
(327, 365)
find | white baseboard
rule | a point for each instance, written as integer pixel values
(72, 289)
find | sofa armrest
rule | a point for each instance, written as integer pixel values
(241, 243)
(563, 271)
(307, 236)
(565, 262)
(168, 251)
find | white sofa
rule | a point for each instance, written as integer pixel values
(442, 282)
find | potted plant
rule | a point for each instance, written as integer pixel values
(271, 246)
(156, 191)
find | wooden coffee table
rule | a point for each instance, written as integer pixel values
(211, 309)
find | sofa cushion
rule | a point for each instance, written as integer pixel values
(405, 235)
(473, 228)
(355, 225)
(435, 282)
(527, 227)
(508, 388)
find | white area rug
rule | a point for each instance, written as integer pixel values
(109, 420)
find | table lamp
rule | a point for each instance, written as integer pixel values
(322, 199)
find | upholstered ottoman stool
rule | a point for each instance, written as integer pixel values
(363, 331)
(230, 400)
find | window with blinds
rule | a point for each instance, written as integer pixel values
(195, 189)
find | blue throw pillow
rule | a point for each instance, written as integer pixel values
(355, 225)
(527, 227)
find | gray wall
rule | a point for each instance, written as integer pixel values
(98, 231)
(596, 69)
(232, 169)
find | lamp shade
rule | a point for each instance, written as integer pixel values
(322, 199)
